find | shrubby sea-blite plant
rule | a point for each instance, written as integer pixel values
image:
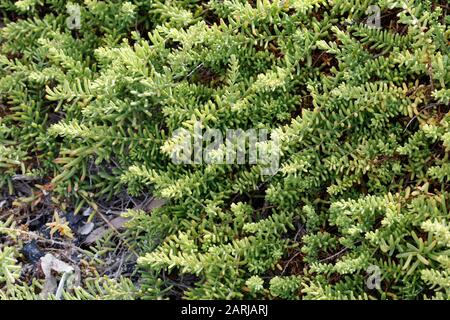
(356, 93)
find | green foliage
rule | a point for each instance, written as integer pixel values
(10, 269)
(361, 114)
(285, 287)
(103, 288)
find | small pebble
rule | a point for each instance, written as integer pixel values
(86, 229)
(32, 252)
